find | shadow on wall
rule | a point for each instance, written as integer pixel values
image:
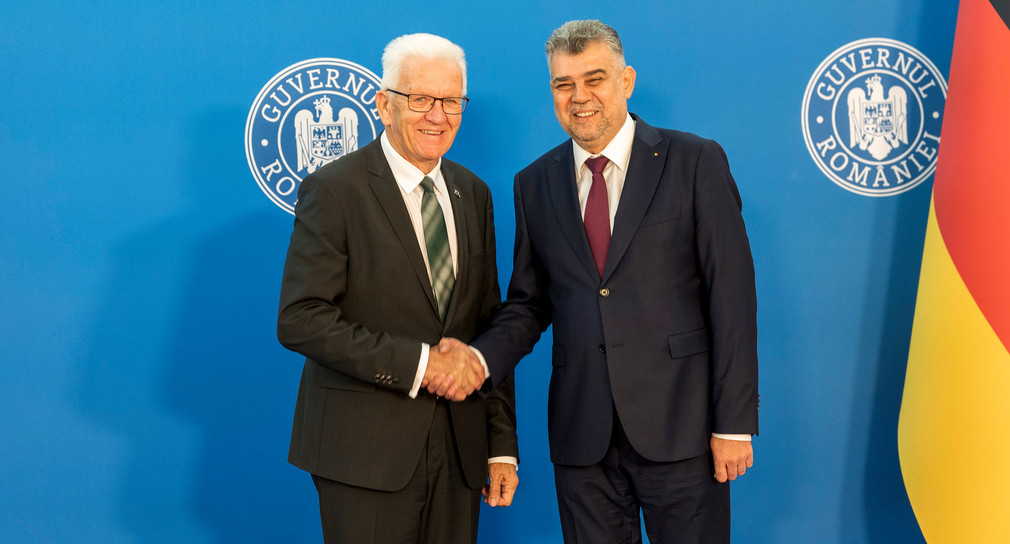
(185, 367)
(884, 352)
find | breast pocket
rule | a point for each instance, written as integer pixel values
(477, 260)
(659, 217)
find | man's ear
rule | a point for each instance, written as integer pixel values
(382, 104)
(628, 81)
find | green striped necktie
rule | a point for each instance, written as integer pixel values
(436, 240)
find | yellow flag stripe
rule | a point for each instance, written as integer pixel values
(953, 433)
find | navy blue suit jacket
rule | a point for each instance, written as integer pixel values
(668, 335)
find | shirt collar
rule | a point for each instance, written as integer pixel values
(408, 176)
(618, 150)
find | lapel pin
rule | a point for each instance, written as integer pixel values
(456, 192)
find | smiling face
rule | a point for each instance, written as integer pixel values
(421, 138)
(591, 91)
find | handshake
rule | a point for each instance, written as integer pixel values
(453, 371)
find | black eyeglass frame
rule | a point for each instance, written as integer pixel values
(410, 103)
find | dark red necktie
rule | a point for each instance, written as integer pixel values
(597, 216)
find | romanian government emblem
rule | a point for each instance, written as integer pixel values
(872, 114)
(310, 114)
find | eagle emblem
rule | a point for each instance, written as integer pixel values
(878, 123)
(322, 140)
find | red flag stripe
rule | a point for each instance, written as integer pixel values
(972, 183)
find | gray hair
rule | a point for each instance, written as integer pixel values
(401, 50)
(574, 37)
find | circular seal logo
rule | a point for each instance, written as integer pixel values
(309, 114)
(872, 114)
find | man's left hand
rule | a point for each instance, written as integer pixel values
(502, 483)
(732, 458)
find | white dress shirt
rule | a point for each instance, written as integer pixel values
(619, 153)
(408, 178)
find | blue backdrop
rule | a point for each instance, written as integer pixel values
(144, 397)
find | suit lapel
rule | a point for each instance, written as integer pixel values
(388, 194)
(564, 193)
(645, 168)
(459, 216)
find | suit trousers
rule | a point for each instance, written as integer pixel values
(681, 501)
(435, 507)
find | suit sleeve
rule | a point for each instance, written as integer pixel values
(728, 275)
(502, 439)
(527, 310)
(500, 406)
(310, 320)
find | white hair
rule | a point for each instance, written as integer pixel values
(418, 46)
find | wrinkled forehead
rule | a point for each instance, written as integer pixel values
(424, 74)
(593, 60)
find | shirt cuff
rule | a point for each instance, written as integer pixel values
(483, 363)
(505, 459)
(737, 437)
(422, 366)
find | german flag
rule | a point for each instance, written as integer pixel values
(954, 427)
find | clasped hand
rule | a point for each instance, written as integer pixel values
(453, 370)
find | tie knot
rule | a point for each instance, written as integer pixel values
(597, 164)
(428, 185)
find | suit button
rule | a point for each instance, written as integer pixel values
(378, 377)
(603, 349)
(604, 292)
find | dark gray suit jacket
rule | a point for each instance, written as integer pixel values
(668, 336)
(356, 301)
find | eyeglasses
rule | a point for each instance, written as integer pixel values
(422, 103)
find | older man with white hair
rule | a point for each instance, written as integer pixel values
(393, 249)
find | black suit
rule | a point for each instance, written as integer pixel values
(667, 338)
(357, 302)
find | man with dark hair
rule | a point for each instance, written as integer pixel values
(630, 241)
